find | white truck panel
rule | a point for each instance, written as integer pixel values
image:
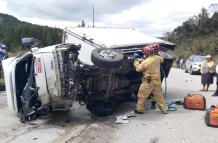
(13, 79)
(114, 37)
(40, 76)
(8, 65)
(52, 80)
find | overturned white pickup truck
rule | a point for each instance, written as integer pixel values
(92, 66)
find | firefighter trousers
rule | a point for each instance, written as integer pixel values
(145, 90)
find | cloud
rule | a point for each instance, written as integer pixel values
(154, 17)
(157, 17)
(69, 9)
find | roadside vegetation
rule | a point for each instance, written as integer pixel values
(12, 30)
(197, 35)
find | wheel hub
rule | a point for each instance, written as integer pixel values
(107, 54)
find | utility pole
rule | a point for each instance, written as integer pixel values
(93, 16)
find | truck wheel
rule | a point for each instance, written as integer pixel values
(107, 58)
(102, 108)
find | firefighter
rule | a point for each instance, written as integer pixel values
(151, 81)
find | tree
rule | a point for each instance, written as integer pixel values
(203, 16)
(197, 35)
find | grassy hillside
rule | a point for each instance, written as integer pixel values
(12, 29)
(198, 35)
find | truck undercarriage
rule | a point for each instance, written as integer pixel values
(100, 87)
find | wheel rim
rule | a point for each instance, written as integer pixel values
(107, 54)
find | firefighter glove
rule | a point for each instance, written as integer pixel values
(136, 63)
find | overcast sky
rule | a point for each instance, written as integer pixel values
(154, 17)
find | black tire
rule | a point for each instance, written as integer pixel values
(107, 58)
(191, 71)
(102, 108)
(186, 71)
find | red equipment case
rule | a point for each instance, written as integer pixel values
(211, 117)
(195, 102)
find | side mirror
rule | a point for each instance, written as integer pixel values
(29, 42)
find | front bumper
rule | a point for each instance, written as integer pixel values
(196, 68)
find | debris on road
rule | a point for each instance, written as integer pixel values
(123, 119)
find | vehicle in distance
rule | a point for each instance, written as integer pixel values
(193, 63)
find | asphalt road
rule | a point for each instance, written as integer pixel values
(80, 126)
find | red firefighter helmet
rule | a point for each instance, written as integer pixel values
(148, 50)
(156, 47)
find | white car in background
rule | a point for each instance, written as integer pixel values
(193, 63)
